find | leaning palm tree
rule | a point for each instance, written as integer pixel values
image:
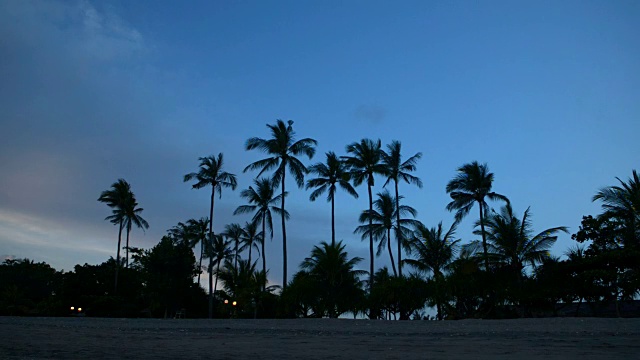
(333, 172)
(472, 185)
(283, 150)
(511, 240)
(132, 217)
(380, 221)
(234, 233)
(262, 200)
(212, 174)
(117, 198)
(251, 237)
(622, 203)
(434, 251)
(217, 250)
(364, 163)
(398, 170)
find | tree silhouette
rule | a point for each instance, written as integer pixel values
(251, 237)
(434, 251)
(234, 233)
(380, 221)
(283, 150)
(397, 171)
(364, 163)
(472, 185)
(132, 217)
(262, 200)
(622, 203)
(211, 173)
(333, 172)
(118, 197)
(217, 250)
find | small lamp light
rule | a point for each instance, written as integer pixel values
(235, 303)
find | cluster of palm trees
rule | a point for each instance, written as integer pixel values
(507, 241)
(125, 214)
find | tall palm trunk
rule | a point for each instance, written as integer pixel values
(264, 234)
(235, 257)
(127, 248)
(284, 239)
(484, 239)
(213, 193)
(115, 286)
(210, 268)
(200, 263)
(333, 221)
(215, 286)
(398, 231)
(250, 253)
(393, 265)
(370, 239)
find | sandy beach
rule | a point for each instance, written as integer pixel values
(93, 338)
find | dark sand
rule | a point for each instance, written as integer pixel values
(91, 338)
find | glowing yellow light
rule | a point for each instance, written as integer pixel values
(226, 301)
(235, 303)
(79, 309)
(72, 308)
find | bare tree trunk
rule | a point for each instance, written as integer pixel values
(373, 313)
(284, 239)
(484, 240)
(333, 221)
(115, 286)
(264, 258)
(127, 248)
(200, 263)
(393, 266)
(398, 230)
(210, 268)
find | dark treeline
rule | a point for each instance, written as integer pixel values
(507, 273)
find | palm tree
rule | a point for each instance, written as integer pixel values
(398, 170)
(472, 185)
(333, 172)
(622, 203)
(251, 237)
(234, 232)
(364, 163)
(217, 250)
(511, 240)
(283, 150)
(334, 276)
(434, 251)
(198, 232)
(211, 174)
(117, 198)
(262, 201)
(132, 217)
(381, 221)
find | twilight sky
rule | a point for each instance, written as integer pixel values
(546, 92)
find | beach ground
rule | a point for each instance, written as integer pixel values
(95, 338)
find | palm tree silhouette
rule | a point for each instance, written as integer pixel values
(217, 250)
(434, 251)
(132, 217)
(364, 163)
(198, 233)
(251, 237)
(234, 233)
(511, 241)
(334, 276)
(211, 174)
(333, 172)
(472, 185)
(117, 198)
(623, 204)
(381, 220)
(262, 200)
(283, 150)
(398, 170)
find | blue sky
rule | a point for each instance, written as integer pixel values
(546, 93)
